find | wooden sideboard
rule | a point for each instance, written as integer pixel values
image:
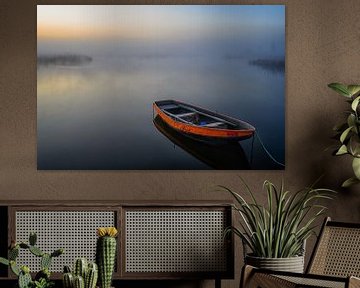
(157, 240)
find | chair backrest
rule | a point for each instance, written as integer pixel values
(337, 251)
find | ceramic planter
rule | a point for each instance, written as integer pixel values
(291, 264)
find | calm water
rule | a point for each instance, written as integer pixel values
(99, 115)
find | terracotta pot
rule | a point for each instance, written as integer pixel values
(291, 264)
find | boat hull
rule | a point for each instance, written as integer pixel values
(229, 156)
(205, 133)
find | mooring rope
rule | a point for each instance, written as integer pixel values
(267, 151)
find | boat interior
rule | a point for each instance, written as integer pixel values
(195, 117)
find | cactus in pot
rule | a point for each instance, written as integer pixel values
(81, 266)
(79, 282)
(25, 279)
(106, 254)
(68, 278)
(42, 278)
(91, 276)
(85, 275)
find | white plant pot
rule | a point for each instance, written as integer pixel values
(291, 264)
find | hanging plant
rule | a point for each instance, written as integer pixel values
(348, 132)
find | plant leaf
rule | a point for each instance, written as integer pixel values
(4, 261)
(355, 103)
(351, 120)
(353, 89)
(342, 150)
(349, 182)
(356, 167)
(340, 88)
(355, 144)
(345, 134)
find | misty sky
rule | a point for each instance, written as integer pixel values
(240, 26)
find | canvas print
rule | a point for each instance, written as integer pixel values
(160, 87)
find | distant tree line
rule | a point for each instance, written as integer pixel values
(63, 60)
(275, 65)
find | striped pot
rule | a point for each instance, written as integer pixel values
(291, 264)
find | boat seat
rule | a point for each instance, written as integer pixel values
(186, 114)
(169, 106)
(215, 124)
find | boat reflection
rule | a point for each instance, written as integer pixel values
(229, 156)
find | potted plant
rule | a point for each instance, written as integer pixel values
(42, 278)
(276, 233)
(106, 254)
(348, 132)
(84, 274)
(87, 274)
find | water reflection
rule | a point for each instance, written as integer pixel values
(84, 112)
(229, 156)
(272, 65)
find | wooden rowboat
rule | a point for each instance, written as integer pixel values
(201, 123)
(229, 156)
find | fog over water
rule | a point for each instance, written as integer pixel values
(98, 114)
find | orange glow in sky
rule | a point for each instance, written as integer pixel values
(94, 22)
(151, 21)
(63, 32)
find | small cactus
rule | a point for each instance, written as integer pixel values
(90, 272)
(79, 282)
(57, 252)
(25, 269)
(68, 280)
(14, 268)
(80, 268)
(32, 238)
(24, 278)
(106, 254)
(45, 261)
(91, 276)
(13, 253)
(67, 269)
(36, 251)
(24, 245)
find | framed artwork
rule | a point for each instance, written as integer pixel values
(160, 87)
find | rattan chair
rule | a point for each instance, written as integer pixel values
(334, 263)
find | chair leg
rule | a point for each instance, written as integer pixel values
(217, 283)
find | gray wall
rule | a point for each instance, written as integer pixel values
(322, 46)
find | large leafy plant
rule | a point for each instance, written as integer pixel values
(279, 229)
(348, 132)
